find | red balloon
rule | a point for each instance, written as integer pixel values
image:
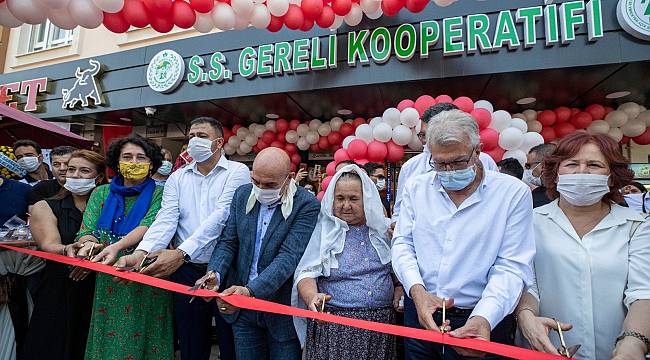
(564, 129)
(406, 103)
(643, 139)
(275, 25)
(320, 195)
(625, 140)
(581, 120)
(293, 19)
(307, 25)
(326, 18)
(330, 169)
(312, 9)
(335, 148)
(341, 155)
(575, 111)
(183, 14)
(358, 121)
(609, 110)
(547, 117)
(135, 13)
(314, 148)
(357, 149)
(291, 148)
(293, 124)
(334, 138)
(256, 149)
(296, 159)
(596, 111)
(326, 183)
(281, 137)
(482, 117)
(226, 134)
(416, 6)
(496, 154)
(395, 152)
(158, 7)
(563, 114)
(548, 133)
(277, 144)
(268, 136)
(423, 103)
(116, 22)
(377, 151)
(235, 128)
(464, 103)
(281, 125)
(392, 7)
(323, 143)
(202, 6)
(489, 139)
(444, 99)
(346, 130)
(162, 24)
(261, 144)
(341, 7)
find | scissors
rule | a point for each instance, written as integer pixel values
(145, 262)
(201, 285)
(322, 305)
(90, 253)
(563, 349)
(443, 326)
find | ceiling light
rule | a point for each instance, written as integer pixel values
(125, 119)
(344, 112)
(617, 94)
(272, 116)
(526, 100)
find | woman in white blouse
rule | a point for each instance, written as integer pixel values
(592, 265)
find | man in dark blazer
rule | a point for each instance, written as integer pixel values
(270, 224)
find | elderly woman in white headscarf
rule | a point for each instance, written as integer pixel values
(346, 271)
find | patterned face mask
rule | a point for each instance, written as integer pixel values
(132, 171)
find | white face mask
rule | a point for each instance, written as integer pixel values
(583, 189)
(267, 196)
(166, 168)
(29, 163)
(532, 179)
(200, 149)
(381, 184)
(79, 186)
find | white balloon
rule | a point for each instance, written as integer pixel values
(520, 116)
(598, 127)
(531, 139)
(634, 127)
(229, 149)
(245, 147)
(511, 138)
(364, 132)
(370, 6)
(61, 18)
(354, 17)
(516, 154)
(259, 130)
(241, 21)
(349, 121)
(7, 18)
(242, 7)
(443, 3)
(409, 117)
(402, 135)
(338, 21)
(270, 125)
(530, 115)
(383, 132)
(203, 23)
(500, 120)
(223, 16)
(302, 144)
(391, 117)
(375, 121)
(336, 123)
(346, 142)
(631, 109)
(260, 16)
(85, 13)
(55, 4)
(315, 124)
(324, 129)
(312, 137)
(375, 15)
(645, 116)
(252, 127)
(242, 132)
(278, 7)
(535, 126)
(616, 118)
(251, 139)
(234, 141)
(27, 11)
(484, 104)
(615, 133)
(291, 136)
(519, 124)
(302, 129)
(415, 144)
(110, 6)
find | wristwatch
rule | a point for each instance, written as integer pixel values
(186, 258)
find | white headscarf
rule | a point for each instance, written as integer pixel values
(328, 238)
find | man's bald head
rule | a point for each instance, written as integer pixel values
(271, 168)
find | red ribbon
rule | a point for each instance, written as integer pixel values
(245, 302)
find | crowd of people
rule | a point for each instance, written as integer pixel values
(514, 254)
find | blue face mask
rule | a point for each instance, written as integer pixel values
(160, 183)
(457, 179)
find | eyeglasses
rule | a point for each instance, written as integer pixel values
(532, 165)
(452, 165)
(421, 135)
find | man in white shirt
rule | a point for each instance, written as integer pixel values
(464, 235)
(195, 207)
(419, 164)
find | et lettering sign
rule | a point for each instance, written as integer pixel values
(457, 35)
(29, 90)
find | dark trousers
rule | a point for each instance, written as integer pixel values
(253, 340)
(421, 350)
(193, 321)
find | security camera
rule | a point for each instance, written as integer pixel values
(150, 111)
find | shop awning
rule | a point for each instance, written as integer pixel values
(17, 125)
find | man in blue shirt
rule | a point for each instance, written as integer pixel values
(14, 198)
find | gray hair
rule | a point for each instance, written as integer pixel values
(453, 126)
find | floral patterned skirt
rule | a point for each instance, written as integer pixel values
(328, 341)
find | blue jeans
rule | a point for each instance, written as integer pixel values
(253, 341)
(421, 350)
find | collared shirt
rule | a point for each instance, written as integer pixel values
(480, 254)
(29, 180)
(418, 165)
(195, 209)
(590, 282)
(263, 220)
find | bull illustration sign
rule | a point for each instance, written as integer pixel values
(84, 89)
